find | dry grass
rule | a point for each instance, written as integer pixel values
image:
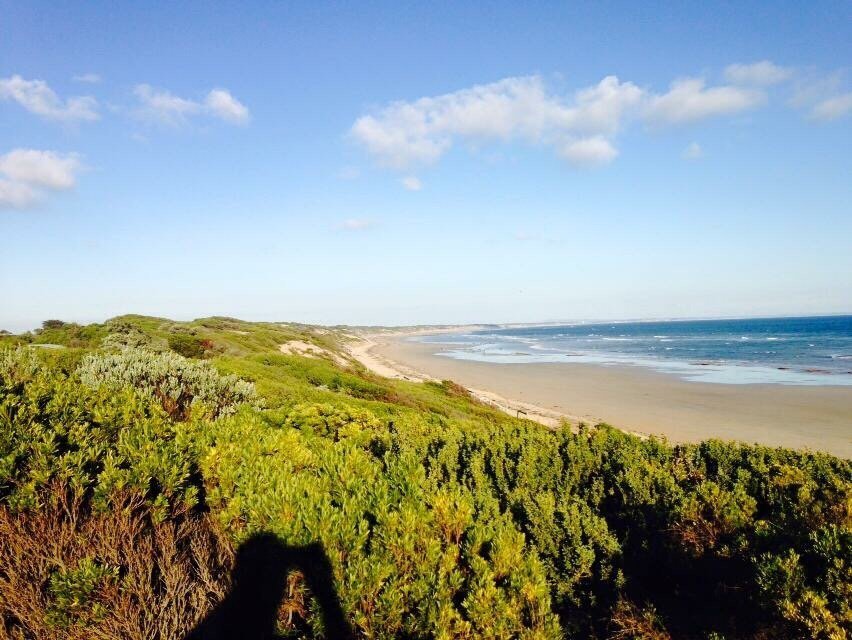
(167, 575)
(633, 623)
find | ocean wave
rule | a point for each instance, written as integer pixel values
(484, 346)
(544, 347)
(736, 346)
(522, 339)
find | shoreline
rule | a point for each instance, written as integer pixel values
(366, 349)
(633, 399)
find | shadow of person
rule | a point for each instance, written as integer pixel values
(259, 580)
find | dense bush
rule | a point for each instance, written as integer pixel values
(95, 441)
(408, 561)
(178, 384)
(68, 334)
(124, 335)
(187, 345)
(689, 529)
(440, 517)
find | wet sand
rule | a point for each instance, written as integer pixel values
(638, 399)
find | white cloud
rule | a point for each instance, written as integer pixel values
(833, 108)
(824, 96)
(762, 73)
(16, 195)
(27, 174)
(813, 88)
(581, 127)
(688, 100)
(162, 106)
(356, 224)
(600, 109)
(159, 105)
(589, 152)
(412, 183)
(87, 78)
(693, 151)
(223, 105)
(41, 168)
(405, 134)
(37, 97)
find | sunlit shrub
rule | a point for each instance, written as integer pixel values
(94, 441)
(74, 593)
(406, 562)
(187, 345)
(125, 335)
(177, 383)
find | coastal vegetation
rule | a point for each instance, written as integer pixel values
(138, 454)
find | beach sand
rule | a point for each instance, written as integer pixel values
(635, 399)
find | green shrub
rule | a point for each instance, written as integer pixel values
(187, 345)
(94, 441)
(68, 334)
(407, 561)
(73, 594)
(124, 335)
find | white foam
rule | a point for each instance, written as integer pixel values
(594, 348)
(705, 371)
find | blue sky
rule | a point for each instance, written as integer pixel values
(418, 163)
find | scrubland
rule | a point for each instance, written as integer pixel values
(138, 454)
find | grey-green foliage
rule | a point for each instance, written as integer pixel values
(177, 383)
(124, 336)
(18, 366)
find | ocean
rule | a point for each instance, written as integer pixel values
(795, 351)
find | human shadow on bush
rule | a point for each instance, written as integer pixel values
(259, 581)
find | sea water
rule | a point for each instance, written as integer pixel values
(797, 351)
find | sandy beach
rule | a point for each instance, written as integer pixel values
(633, 398)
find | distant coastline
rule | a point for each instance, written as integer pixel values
(634, 399)
(802, 350)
